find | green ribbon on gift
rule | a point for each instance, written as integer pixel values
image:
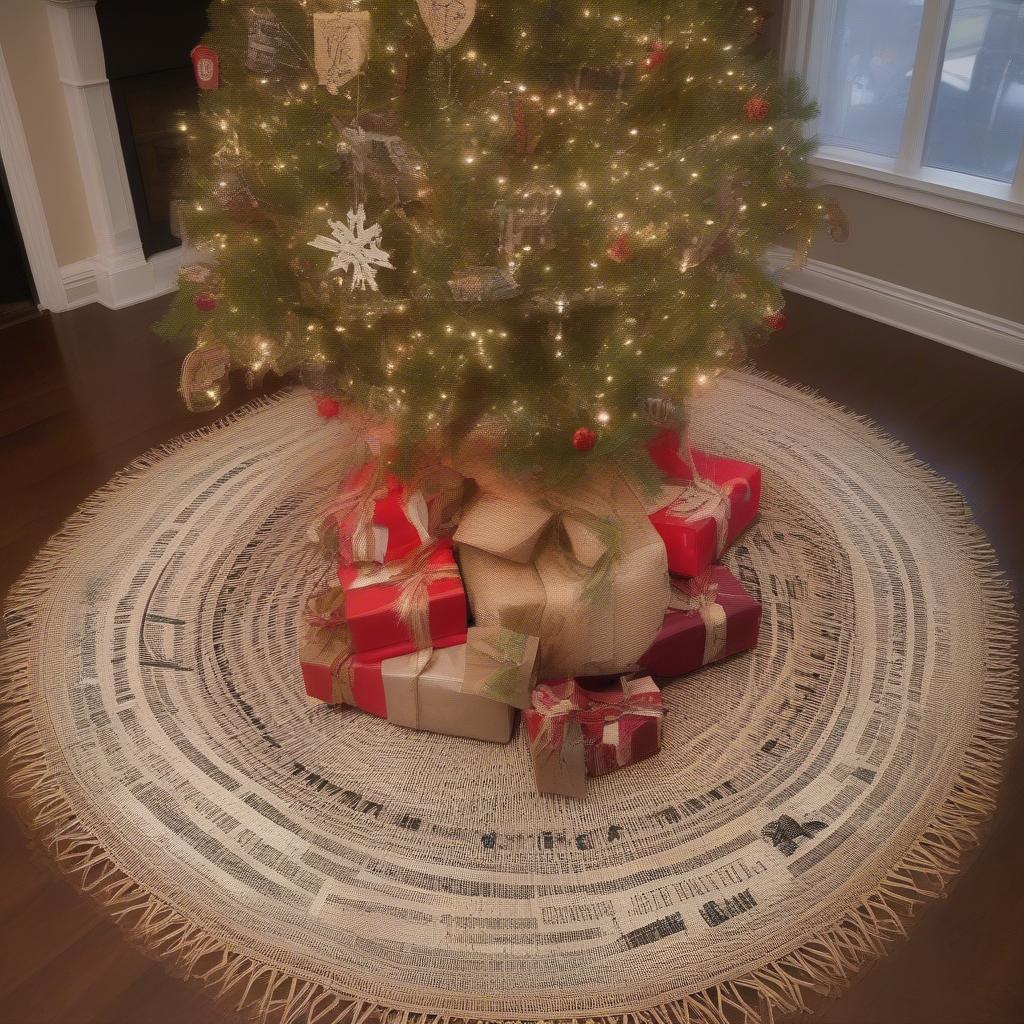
(507, 649)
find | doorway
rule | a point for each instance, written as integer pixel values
(17, 292)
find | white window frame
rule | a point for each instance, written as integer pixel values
(806, 39)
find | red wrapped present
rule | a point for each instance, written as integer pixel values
(405, 606)
(710, 502)
(620, 725)
(710, 618)
(379, 519)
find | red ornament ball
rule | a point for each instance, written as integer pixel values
(206, 303)
(621, 250)
(776, 321)
(657, 56)
(757, 109)
(584, 439)
(327, 407)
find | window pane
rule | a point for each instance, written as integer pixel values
(978, 118)
(870, 61)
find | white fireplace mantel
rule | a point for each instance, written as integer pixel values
(119, 274)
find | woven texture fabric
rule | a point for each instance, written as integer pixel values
(319, 863)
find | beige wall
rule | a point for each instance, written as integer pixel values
(962, 261)
(28, 51)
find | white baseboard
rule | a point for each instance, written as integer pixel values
(124, 284)
(971, 330)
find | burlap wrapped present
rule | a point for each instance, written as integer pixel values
(502, 592)
(501, 665)
(507, 527)
(599, 577)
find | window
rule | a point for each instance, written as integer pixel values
(921, 100)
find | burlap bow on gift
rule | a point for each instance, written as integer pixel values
(354, 509)
(413, 576)
(705, 604)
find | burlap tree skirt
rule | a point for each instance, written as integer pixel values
(316, 863)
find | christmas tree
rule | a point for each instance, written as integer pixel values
(523, 229)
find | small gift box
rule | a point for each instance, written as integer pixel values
(701, 517)
(622, 724)
(424, 691)
(556, 740)
(501, 665)
(379, 518)
(405, 606)
(326, 646)
(712, 618)
(619, 725)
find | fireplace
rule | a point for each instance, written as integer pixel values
(146, 48)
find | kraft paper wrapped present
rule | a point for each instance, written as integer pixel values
(326, 646)
(620, 725)
(501, 665)
(502, 592)
(405, 606)
(424, 691)
(556, 740)
(711, 618)
(700, 518)
(379, 518)
(597, 588)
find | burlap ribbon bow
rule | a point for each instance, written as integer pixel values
(413, 576)
(354, 509)
(716, 622)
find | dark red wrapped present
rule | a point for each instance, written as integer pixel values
(620, 725)
(710, 618)
(405, 606)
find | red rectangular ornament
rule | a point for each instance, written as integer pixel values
(206, 65)
(713, 618)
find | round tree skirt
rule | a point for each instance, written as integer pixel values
(316, 863)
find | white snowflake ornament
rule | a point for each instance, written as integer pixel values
(356, 247)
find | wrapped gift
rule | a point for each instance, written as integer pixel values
(379, 519)
(712, 618)
(405, 606)
(501, 665)
(620, 725)
(556, 739)
(700, 518)
(326, 647)
(507, 527)
(502, 592)
(597, 588)
(424, 691)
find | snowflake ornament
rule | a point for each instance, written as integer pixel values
(356, 247)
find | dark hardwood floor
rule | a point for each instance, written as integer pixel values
(83, 393)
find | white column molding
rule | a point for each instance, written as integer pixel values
(121, 273)
(28, 204)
